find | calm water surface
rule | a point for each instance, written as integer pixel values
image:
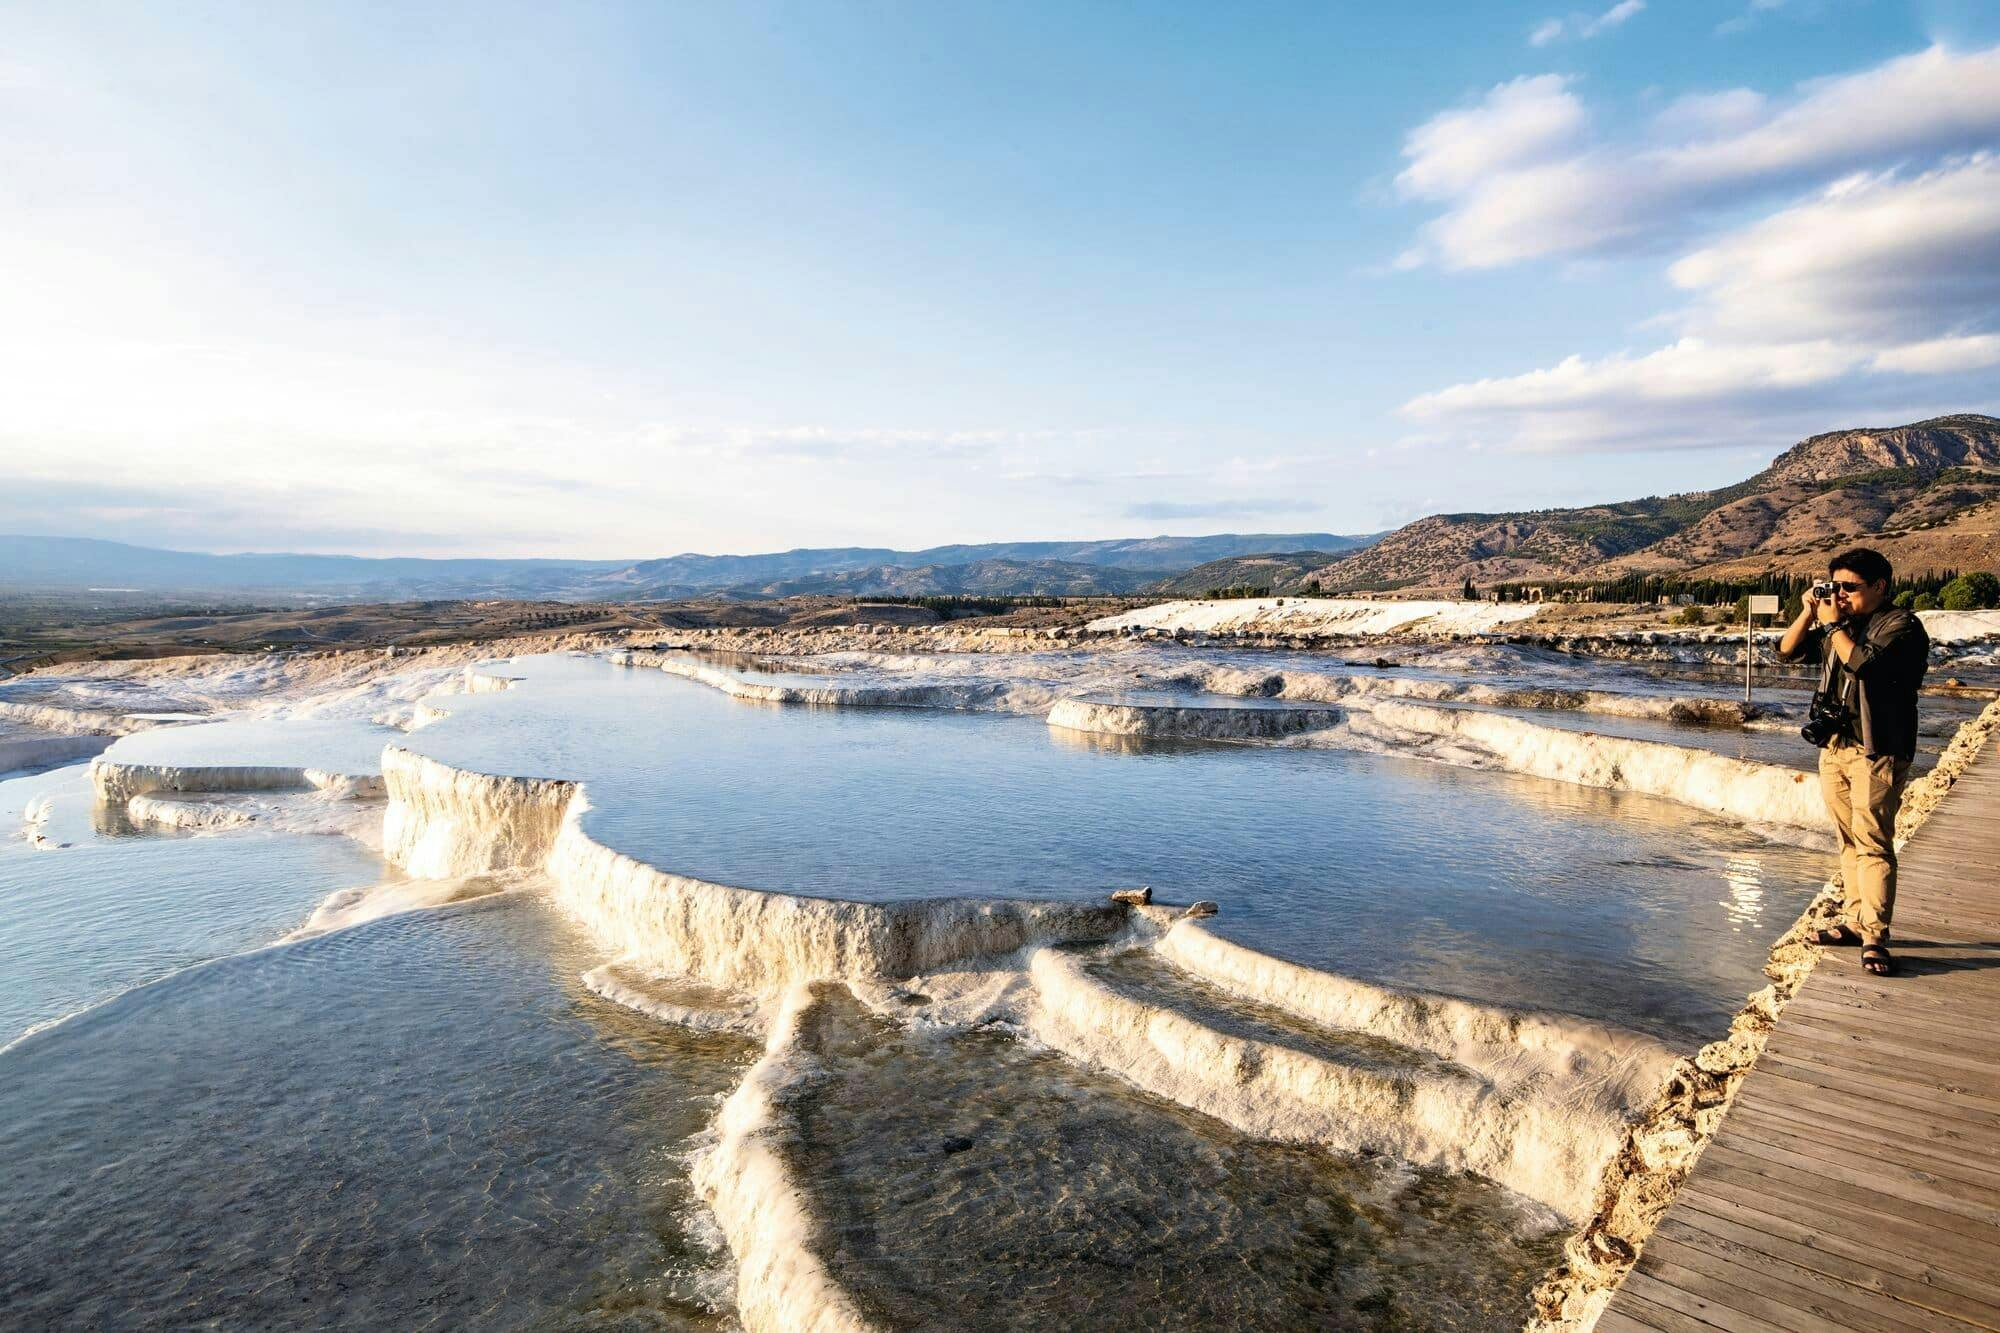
(1490, 885)
(112, 910)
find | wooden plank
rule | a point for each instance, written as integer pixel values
(1901, 1252)
(1891, 1040)
(1783, 1095)
(1767, 1304)
(1667, 1285)
(1909, 1230)
(1863, 996)
(1896, 1186)
(1855, 1006)
(1653, 1316)
(1832, 1299)
(1625, 1320)
(1982, 1092)
(1756, 1232)
(1949, 1027)
(1869, 1083)
(1978, 1171)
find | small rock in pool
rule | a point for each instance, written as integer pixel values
(957, 1144)
(1138, 897)
(1203, 908)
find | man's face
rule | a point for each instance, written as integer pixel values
(1856, 598)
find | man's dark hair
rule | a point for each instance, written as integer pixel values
(1872, 566)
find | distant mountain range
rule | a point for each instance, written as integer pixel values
(1927, 494)
(994, 569)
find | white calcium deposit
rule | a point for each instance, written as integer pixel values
(187, 815)
(1960, 626)
(1518, 1100)
(20, 751)
(121, 782)
(72, 721)
(444, 821)
(1769, 796)
(1321, 617)
(995, 696)
(1192, 722)
(781, 1283)
(1766, 795)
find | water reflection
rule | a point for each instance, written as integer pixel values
(1745, 904)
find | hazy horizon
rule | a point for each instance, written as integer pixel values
(676, 555)
(512, 282)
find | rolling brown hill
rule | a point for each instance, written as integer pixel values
(1927, 494)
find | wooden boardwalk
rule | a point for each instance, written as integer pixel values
(1855, 1183)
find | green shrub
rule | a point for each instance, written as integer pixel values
(1691, 615)
(1970, 592)
(1906, 597)
(1924, 602)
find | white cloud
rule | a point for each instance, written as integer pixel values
(1878, 257)
(1514, 126)
(1941, 356)
(1700, 114)
(1584, 26)
(1514, 189)
(1665, 397)
(1876, 276)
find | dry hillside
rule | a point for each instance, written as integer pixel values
(1926, 493)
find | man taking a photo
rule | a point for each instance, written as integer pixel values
(1864, 719)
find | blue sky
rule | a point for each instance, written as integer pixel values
(626, 280)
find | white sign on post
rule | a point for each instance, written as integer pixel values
(1761, 604)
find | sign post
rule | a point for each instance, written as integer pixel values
(1761, 604)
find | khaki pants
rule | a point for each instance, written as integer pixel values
(1863, 795)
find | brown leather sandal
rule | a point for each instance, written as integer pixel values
(1876, 961)
(1835, 937)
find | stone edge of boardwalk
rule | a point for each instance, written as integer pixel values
(1661, 1148)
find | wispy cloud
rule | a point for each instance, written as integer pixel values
(1583, 27)
(1748, 18)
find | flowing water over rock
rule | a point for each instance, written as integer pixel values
(1040, 1194)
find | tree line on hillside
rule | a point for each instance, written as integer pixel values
(1947, 589)
(956, 608)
